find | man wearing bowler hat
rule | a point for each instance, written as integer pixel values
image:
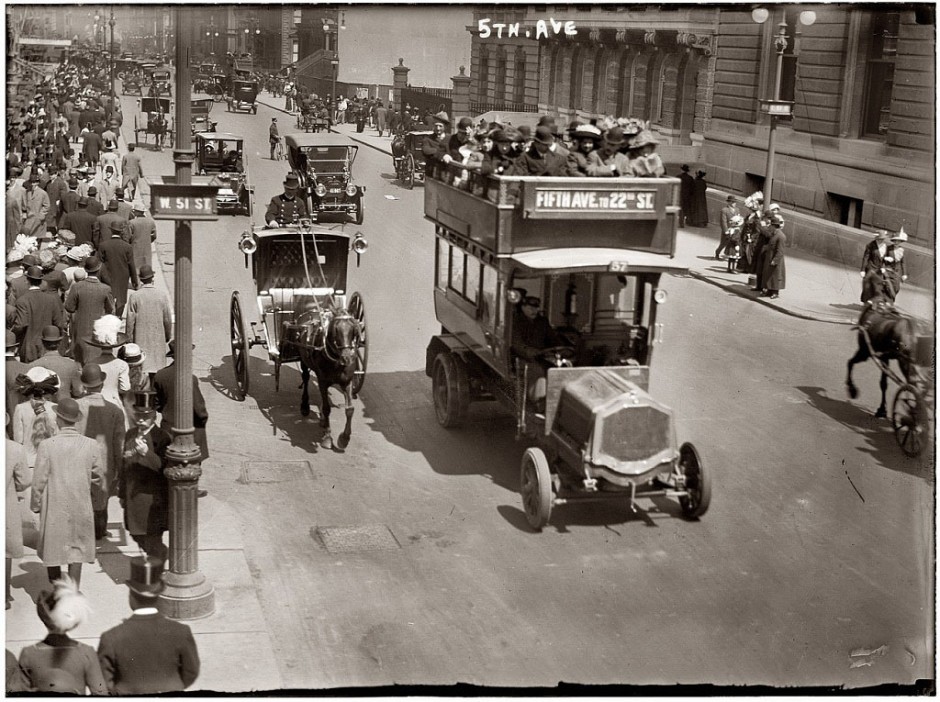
(150, 321)
(164, 383)
(147, 653)
(68, 478)
(68, 370)
(81, 221)
(286, 208)
(36, 309)
(539, 159)
(88, 300)
(117, 259)
(104, 223)
(142, 486)
(103, 422)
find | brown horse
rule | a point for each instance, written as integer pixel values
(328, 344)
(890, 337)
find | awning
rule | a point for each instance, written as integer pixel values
(600, 259)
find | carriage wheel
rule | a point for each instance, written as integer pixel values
(909, 418)
(450, 388)
(697, 483)
(536, 488)
(239, 346)
(360, 211)
(357, 308)
(409, 169)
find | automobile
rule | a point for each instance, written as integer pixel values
(161, 83)
(220, 161)
(242, 96)
(323, 164)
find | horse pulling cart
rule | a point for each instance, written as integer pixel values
(305, 313)
(154, 118)
(591, 253)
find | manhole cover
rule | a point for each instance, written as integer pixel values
(276, 472)
(368, 537)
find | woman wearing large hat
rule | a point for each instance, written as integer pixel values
(33, 420)
(585, 138)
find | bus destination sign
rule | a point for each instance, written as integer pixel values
(569, 200)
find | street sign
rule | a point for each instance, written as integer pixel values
(780, 108)
(183, 201)
(334, 62)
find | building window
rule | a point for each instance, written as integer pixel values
(600, 81)
(553, 76)
(518, 93)
(499, 82)
(879, 83)
(577, 79)
(844, 210)
(484, 75)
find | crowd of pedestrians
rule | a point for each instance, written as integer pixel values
(88, 367)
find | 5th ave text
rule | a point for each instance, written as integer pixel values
(486, 28)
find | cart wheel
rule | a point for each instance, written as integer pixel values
(239, 346)
(409, 172)
(697, 483)
(360, 211)
(451, 390)
(357, 308)
(536, 488)
(909, 419)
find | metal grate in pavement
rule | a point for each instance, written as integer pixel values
(352, 539)
(276, 471)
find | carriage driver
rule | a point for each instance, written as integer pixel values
(286, 208)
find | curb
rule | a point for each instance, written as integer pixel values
(766, 302)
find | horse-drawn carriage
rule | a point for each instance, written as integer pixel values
(408, 158)
(154, 118)
(323, 164)
(199, 115)
(577, 377)
(313, 118)
(306, 314)
(242, 96)
(220, 156)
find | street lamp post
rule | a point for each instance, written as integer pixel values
(777, 107)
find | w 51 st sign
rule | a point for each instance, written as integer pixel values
(183, 201)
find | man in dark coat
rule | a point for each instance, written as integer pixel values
(872, 264)
(94, 206)
(698, 213)
(68, 202)
(103, 225)
(147, 654)
(286, 208)
(459, 146)
(143, 232)
(14, 368)
(432, 146)
(69, 371)
(117, 257)
(82, 222)
(36, 309)
(164, 383)
(88, 300)
(142, 487)
(686, 188)
(56, 190)
(91, 147)
(539, 159)
(775, 264)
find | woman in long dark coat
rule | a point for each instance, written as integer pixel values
(698, 214)
(775, 264)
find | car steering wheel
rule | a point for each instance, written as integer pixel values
(558, 356)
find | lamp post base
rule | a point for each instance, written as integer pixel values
(187, 596)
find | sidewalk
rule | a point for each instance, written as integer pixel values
(817, 289)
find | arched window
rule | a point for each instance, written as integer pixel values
(484, 83)
(553, 76)
(600, 80)
(577, 78)
(625, 91)
(518, 93)
(499, 82)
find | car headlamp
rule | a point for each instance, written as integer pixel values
(351, 190)
(321, 189)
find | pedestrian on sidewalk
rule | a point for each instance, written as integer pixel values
(103, 423)
(68, 370)
(60, 664)
(142, 232)
(150, 322)
(774, 277)
(724, 220)
(118, 270)
(143, 488)
(33, 420)
(872, 265)
(273, 136)
(381, 115)
(88, 300)
(686, 188)
(698, 213)
(132, 169)
(18, 478)
(147, 653)
(895, 270)
(69, 472)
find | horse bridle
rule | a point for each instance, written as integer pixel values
(333, 352)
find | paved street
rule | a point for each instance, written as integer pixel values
(813, 549)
